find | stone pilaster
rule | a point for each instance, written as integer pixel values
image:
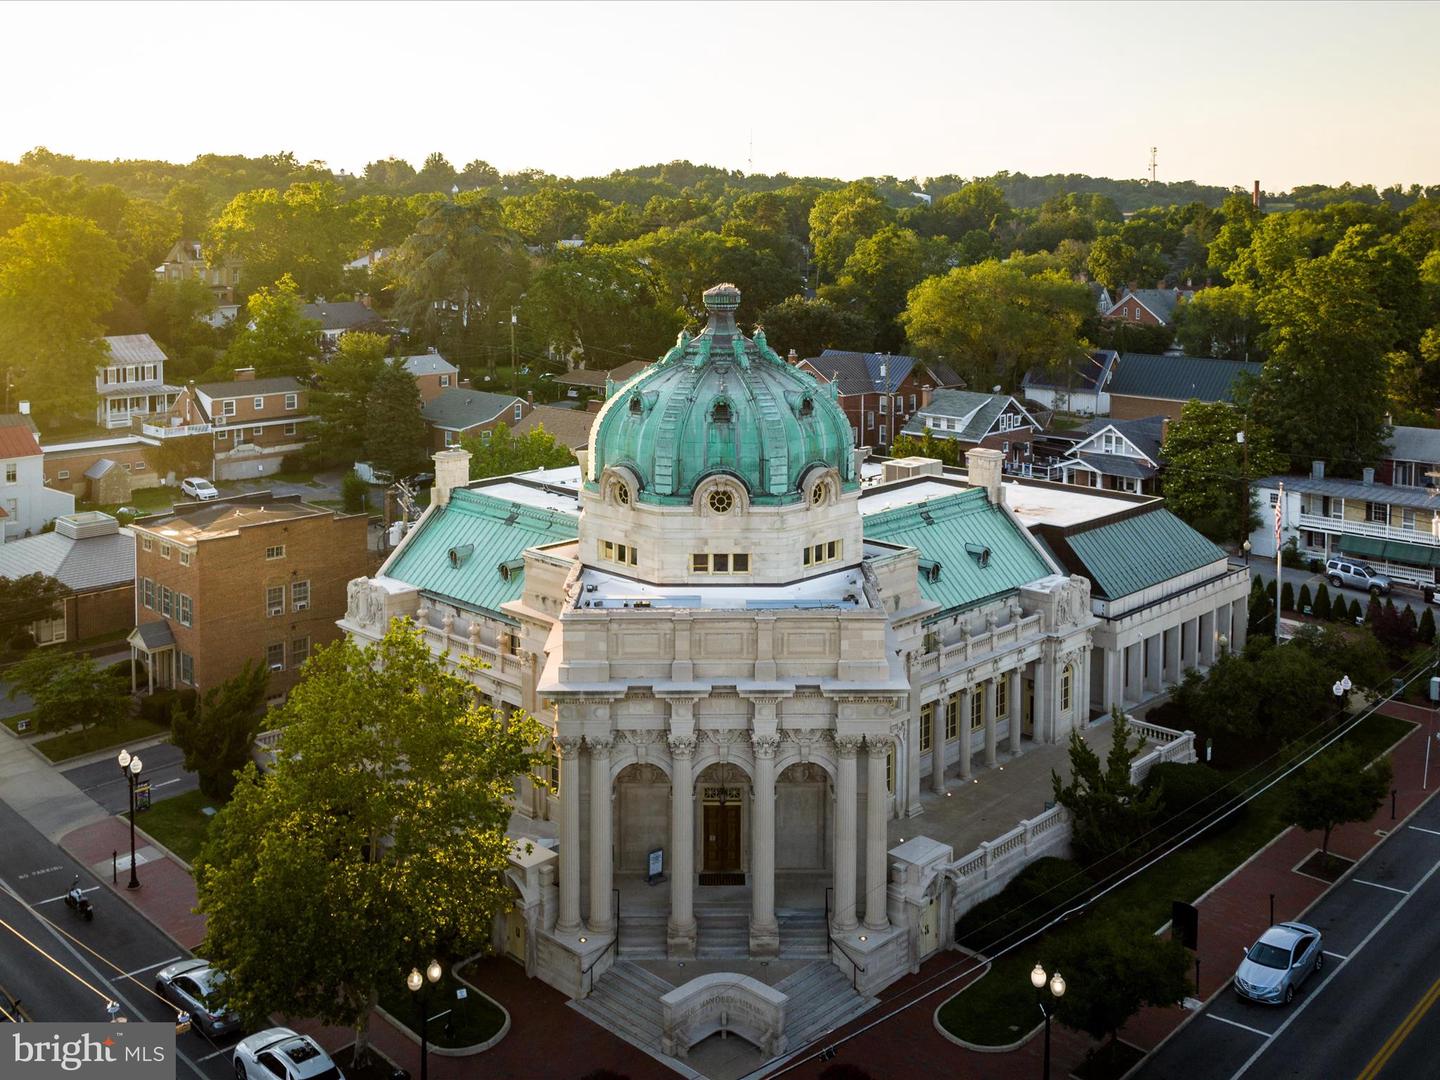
(1015, 707)
(764, 930)
(602, 850)
(938, 720)
(846, 837)
(877, 819)
(964, 732)
(990, 733)
(680, 933)
(568, 920)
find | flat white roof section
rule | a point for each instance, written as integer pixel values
(1053, 506)
(568, 477)
(889, 497)
(562, 501)
(609, 592)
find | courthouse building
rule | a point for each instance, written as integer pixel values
(751, 663)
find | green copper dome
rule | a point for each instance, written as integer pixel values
(722, 403)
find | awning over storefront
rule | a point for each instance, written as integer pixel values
(1396, 551)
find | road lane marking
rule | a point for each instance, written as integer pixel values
(51, 900)
(162, 783)
(1242, 1027)
(1432, 832)
(1377, 885)
(1305, 1003)
(1401, 1033)
(1334, 955)
(150, 967)
(215, 1054)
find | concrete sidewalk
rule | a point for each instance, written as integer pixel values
(904, 1041)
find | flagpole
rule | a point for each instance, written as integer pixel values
(1279, 519)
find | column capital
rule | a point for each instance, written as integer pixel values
(600, 744)
(682, 746)
(847, 746)
(568, 745)
(881, 742)
(765, 745)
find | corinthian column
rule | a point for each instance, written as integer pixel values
(846, 839)
(764, 931)
(990, 689)
(877, 817)
(680, 934)
(602, 854)
(568, 921)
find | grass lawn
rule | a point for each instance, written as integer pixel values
(178, 822)
(1000, 1007)
(471, 1021)
(13, 722)
(99, 737)
(151, 500)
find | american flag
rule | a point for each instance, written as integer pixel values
(1279, 513)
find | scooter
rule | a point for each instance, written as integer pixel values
(78, 902)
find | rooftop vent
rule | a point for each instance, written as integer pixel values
(511, 568)
(930, 569)
(979, 553)
(458, 555)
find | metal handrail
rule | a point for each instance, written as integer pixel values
(828, 890)
(856, 968)
(614, 943)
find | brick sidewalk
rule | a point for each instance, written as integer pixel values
(1232, 915)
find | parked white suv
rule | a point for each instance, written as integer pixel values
(1356, 575)
(197, 487)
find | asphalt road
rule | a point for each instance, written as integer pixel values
(1370, 1013)
(164, 768)
(34, 876)
(1403, 595)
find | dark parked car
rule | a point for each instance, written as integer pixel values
(193, 986)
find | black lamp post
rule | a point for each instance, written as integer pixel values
(130, 768)
(1057, 990)
(416, 982)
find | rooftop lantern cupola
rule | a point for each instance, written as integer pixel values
(721, 403)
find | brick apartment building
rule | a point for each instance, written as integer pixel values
(254, 423)
(878, 392)
(256, 577)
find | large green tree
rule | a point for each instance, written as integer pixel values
(1109, 814)
(1223, 322)
(69, 688)
(1208, 470)
(342, 400)
(994, 322)
(58, 276)
(27, 599)
(840, 219)
(376, 840)
(218, 735)
(306, 231)
(278, 339)
(812, 326)
(507, 452)
(878, 276)
(1339, 786)
(395, 433)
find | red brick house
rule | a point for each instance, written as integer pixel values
(254, 423)
(879, 392)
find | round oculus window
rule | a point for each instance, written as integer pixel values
(817, 495)
(622, 494)
(721, 501)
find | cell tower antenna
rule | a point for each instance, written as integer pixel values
(1152, 164)
(750, 155)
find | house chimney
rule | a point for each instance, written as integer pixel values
(244, 374)
(530, 396)
(925, 393)
(1317, 470)
(1255, 196)
(452, 470)
(983, 466)
(1367, 476)
(792, 358)
(1164, 429)
(24, 407)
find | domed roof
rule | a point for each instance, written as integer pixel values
(721, 403)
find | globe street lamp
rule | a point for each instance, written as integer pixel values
(416, 982)
(1246, 547)
(130, 768)
(1341, 688)
(1038, 980)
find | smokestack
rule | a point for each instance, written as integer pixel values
(983, 468)
(452, 470)
(1255, 196)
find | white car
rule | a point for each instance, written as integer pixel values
(281, 1054)
(197, 487)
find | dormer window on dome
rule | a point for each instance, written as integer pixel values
(636, 408)
(720, 412)
(807, 407)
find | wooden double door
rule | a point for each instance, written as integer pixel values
(723, 849)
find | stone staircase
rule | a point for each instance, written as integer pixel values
(626, 1000)
(721, 931)
(803, 934)
(642, 937)
(821, 999)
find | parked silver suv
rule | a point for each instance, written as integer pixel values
(1356, 575)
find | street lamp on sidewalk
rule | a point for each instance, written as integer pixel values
(1038, 980)
(130, 768)
(1341, 688)
(1246, 548)
(416, 982)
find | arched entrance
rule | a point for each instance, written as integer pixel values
(723, 791)
(804, 840)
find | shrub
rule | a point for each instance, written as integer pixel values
(1303, 604)
(1287, 597)
(159, 707)
(1188, 793)
(1045, 884)
(1374, 612)
(1355, 614)
(21, 641)
(355, 494)
(1322, 602)
(1426, 631)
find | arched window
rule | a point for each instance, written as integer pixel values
(1067, 687)
(807, 406)
(635, 406)
(720, 414)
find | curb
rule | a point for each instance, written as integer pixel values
(130, 904)
(456, 1051)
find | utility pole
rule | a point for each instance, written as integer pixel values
(514, 374)
(1152, 164)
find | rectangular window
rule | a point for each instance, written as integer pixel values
(952, 719)
(139, 466)
(145, 543)
(1067, 680)
(11, 472)
(275, 600)
(890, 769)
(977, 708)
(519, 410)
(300, 596)
(63, 474)
(444, 381)
(256, 432)
(912, 402)
(164, 551)
(187, 669)
(884, 434)
(289, 429)
(277, 551)
(299, 651)
(449, 438)
(869, 420)
(227, 407)
(1407, 519)
(699, 563)
(720, 563)
(1377, 513)
(927, 725)
(222, 436)
(167, 607)
(275, 656)
(185, 609)
(258, 404)
(485, 438)
(1002, 697)
(184, 557)
(740, 563)
(884, 403)
(148, 593)
(822, 553)
(292, 401)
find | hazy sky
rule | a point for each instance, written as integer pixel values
(1289, 93)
